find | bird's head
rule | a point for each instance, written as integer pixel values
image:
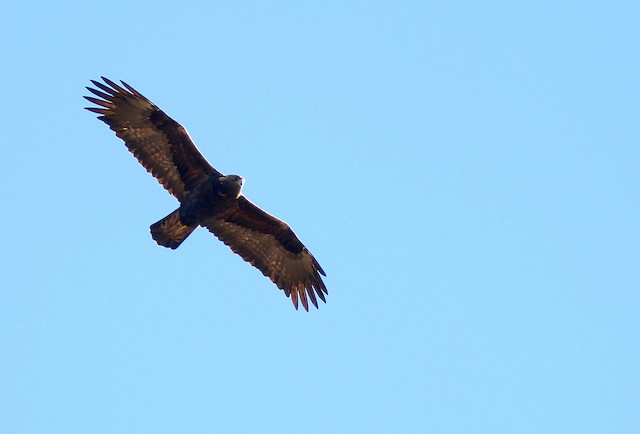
(232, 184)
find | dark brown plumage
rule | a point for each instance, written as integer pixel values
(207, 198)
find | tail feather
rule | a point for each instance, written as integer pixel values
(170, 231)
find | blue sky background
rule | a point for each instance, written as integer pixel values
(465, 172)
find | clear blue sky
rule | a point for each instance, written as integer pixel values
(467, 173)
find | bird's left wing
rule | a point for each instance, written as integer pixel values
(160, 144)
(271, 246)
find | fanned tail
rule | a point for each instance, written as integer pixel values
(170, 231)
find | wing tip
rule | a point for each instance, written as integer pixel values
(114, 89)
(101, 111)
(301, 293)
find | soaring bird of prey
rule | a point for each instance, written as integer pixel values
(207, 197)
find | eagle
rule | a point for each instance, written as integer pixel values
(207, 197)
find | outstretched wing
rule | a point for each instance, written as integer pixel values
(160, 144)
(271, 246)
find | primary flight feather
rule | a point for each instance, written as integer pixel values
(207, 197)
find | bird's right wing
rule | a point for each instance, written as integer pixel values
(160, 144)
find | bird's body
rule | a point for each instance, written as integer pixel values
(207, 201)
(207, 197)
(210, 199)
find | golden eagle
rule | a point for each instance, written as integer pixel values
(207, 197)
